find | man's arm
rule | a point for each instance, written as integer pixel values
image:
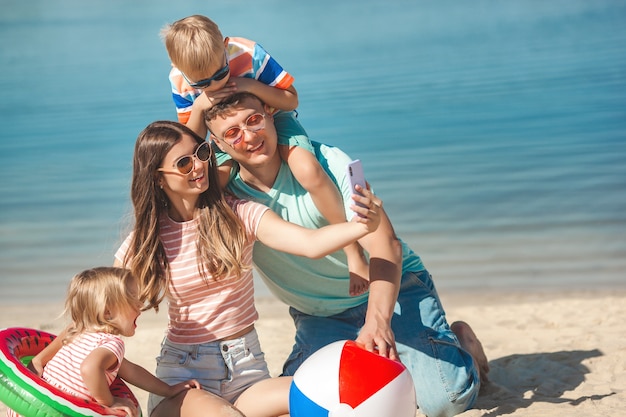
(385, 253)
(385, 270)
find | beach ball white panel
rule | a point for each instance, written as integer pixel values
(318, 376)
(396, 399)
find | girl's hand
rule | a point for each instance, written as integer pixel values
(182, 386)
(35, 366)
(368, 208)
(125, 405)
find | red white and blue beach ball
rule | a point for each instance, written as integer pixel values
(345, 380)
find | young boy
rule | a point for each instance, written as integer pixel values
(206, 67)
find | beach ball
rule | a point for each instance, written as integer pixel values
(344, 380)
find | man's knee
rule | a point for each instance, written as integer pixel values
(444, 406)
(446, 381)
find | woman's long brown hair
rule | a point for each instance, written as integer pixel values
(221, 234)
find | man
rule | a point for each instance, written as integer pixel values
(401, 316)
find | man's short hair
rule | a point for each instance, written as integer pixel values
(226, 106)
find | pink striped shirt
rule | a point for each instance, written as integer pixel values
(201, 312)
(63, 370)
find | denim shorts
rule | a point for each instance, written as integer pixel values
(225, 368)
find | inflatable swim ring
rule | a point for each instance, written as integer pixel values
(31, 396)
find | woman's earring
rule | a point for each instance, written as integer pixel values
(163, 196)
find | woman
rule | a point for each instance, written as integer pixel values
(193, 246)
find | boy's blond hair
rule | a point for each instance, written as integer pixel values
(193, 44)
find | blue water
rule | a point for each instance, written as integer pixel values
(494, 131)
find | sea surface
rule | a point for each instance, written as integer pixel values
(494, 131)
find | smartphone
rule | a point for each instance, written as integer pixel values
(354, 171)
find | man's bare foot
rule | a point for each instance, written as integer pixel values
(470, 342)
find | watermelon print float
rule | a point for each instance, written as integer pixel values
(344, 380)
(28, 394)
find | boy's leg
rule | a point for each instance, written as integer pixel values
(296, 149)
(445, 376)
(326, 197)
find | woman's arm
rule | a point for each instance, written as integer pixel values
(288, 237)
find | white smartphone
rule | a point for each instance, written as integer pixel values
(355, 175)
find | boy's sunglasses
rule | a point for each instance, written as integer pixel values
(219, 75)
(185, 164)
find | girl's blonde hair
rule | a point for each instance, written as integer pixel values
(193, 44)
(95, 296)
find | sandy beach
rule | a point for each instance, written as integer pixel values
(551, 354)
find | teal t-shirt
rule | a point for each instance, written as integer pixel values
(313, 286)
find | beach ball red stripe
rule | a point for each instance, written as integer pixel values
(358, 382)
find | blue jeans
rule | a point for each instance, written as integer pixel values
(226, 368)
(446, 380)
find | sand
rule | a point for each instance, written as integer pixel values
(551, 354)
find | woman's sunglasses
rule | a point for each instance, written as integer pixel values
(185, 164)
